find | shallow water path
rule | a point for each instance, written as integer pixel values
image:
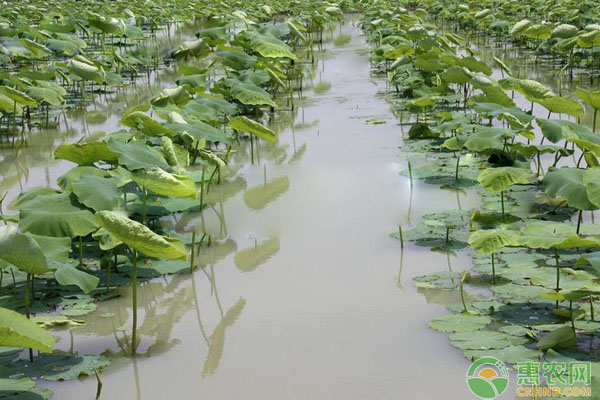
(322, 309)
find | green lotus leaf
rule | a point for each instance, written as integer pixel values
(163, 183)
(491, 240)
(589, 39)
(85, 154)
(136, 155)
(459, 323)
(98, 193)
(568, 184)
(86, 70)
(511, 354)
(22, 251)
(188, 48)
(538, 31)
(591, 98)
(44, 95)
(474, 65)
(250, 94)
(244, 124)
(18, 97)
(58, 367)
(59, 215)
(562, 105)
(67, 180)
(139, 237)
(560, 338)
(145, 123)
(501, 178)
(68, 274)
(553, 235)
(564, 31)
(18, 331)
(54, 248)
(520, 27)
(199, 131)
(591, 179)
(529, 88)
(38, 50)
(485, 340)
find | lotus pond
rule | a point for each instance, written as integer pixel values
(295, 199)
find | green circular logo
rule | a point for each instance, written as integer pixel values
(487, 378)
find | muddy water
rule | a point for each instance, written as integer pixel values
(322, 308)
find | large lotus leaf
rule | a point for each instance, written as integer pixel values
(485, 340)
(237, 60)
(556, 130)
(483, 140)
(23, 389)
(98, 193)
(538, 31)
(68, 274)
(500, 179)
(520, 27)
(44, 95)
(591, 98)
(164, 183)
(530, 150)
(591, 179)
(107, 24)
(592, 259)
(57, 215)
(568, 184)
(85, 154)
(259, 197)
(269, 46)
(553, 235)
(250, 94)
(38, 50)
(64, 47)
(562, 105)
(494, 110)
(560, 338)
(54, 248)
(244, 124)
(58, 367)
(177, 95)
(249, 259)
(139, 237)
(200, 131)
(67, 180)
(459, 323)
(18, 96)
(196, 48)
(143, 122)
(491, 240)
(456, 74)
(22, 251)
(217, 339)
(529, 88)
(511, 355)
(474, 65)
(86, 70)
(589, 39)
(18, 331)
(8, 105)
(136, 155)
(29, 194)
(564, 31)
